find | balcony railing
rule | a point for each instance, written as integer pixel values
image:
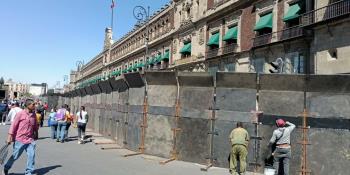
(331, 11)
(278, 36)
(212, 53)
(229, 48)
(185, 60)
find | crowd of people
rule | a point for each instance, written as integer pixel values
(61, 119)
(26, 119)
(9, 109)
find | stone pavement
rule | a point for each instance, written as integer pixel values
(70, 158)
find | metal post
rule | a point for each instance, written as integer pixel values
(142, 15)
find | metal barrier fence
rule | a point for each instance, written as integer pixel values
(189, 116)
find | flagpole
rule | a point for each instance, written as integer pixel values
(112, 17)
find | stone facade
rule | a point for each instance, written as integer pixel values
(314, 42)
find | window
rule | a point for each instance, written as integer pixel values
(231, 35)
(230, 67)
(214, 40)
(291, 17)
(264, 24)
(213, 68)
(258, 65)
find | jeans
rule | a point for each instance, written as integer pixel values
(81, 131)
(282, 155)
(66, 130)
(61, 129)
(53, 131)
(18, 149)
(3, 117)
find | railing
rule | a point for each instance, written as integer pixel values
(185, 60)
(212, 53)
(230, 48)
(278, 36)
(331, 11)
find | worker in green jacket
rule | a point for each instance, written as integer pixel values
(239, 139)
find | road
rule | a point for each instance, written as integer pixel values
(70, 158)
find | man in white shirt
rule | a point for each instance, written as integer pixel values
(14, 110)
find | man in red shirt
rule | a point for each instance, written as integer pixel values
(23, 132)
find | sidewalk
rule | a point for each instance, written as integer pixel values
(70, 158)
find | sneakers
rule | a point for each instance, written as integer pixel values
(5, 172)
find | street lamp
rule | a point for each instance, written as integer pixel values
(79, 65)
(142, 16)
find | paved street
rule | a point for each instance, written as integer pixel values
(71, 158)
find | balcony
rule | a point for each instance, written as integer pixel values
(279, 36)
(212, 53)
(185, 60)
(332, 11)
(217, 3)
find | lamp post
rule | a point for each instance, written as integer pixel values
(142, 16)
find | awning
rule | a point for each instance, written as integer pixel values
(135, 66)
(214, 39)
(231, 34)
(264, 22)
(152, 60)
(166, 55)
(125, 71)
(140, 65)
(292, 12)
(158, 58)
(186, 48)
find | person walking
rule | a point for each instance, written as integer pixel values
(23, 132)
(61, 123)
(69, 121)
(12, 114)
(82, 119)
(53, 123)
(239, 139)
(3, 112)
(282, 153)
(38, 117)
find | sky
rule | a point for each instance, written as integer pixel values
(41, 40)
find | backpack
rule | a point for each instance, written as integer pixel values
(60, 114)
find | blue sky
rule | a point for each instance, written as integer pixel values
(41, 40)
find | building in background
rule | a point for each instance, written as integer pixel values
(16, 89)
(310, 36)
(38, 89)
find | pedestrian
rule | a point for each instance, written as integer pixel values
(40, 109)
(3, 112)
(23, 132)
(61, 123)
(239, 139)
(46, 107)
(12, 114)
(53, 123)
(38, 117)
(69, 120)
(82, 119)
(282, 153)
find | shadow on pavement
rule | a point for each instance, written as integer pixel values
(41, 171)
(42, 138)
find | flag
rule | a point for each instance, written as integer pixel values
(112, 5)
